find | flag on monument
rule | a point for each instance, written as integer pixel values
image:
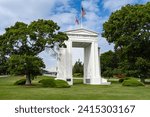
(83, 12)
(77, 21)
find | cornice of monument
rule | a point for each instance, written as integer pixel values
(81, 32)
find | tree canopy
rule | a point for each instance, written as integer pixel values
(33, 38)
(109, 61)
(129, 29)
(23, 42)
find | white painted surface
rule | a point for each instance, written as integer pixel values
(89, 41)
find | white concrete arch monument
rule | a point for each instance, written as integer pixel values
(89, 41)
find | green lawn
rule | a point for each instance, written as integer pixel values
(78, 91)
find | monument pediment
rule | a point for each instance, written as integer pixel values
(81, 31)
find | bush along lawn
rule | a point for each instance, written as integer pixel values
(54, 83)
(132, 82)
(46, 90)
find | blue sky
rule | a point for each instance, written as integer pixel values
(63, 12)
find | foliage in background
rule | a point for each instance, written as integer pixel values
(78, 69)
(3, 59)
(109, 61)
(3, 65)
(129, 29)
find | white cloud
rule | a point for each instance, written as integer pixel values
(77, 53)
(104, 45)
(28, 10)
(63, 18)
(113, 5)
(91, 5)
(60, 11)
(92, 19)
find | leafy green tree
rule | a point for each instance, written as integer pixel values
(3, 59)
(143, 68)
(129, 30)
(3, 65)
(109, 61)
(28, 40)
(26, 64)
(33, 38)
(78, 68)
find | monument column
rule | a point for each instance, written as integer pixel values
(95, 79)
(69, 62)
(61, 62)
(87, 65)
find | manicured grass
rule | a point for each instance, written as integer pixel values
(78, 91)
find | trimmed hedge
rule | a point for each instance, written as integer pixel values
(122, 79)
(54, 83)
(61, 84)
(20, 82)
(47, 82)
(132, 82)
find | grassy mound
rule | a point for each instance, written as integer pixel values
(132, 82)
(48, 82)
(122, 79)
(54, 83)
(20, 82)
(61, 84)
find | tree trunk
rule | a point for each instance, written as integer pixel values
(28, 80)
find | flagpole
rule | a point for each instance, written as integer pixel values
(81, 15)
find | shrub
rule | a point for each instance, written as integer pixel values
(54, 83)
(121, 80)
(132, 82)
(20, 82)
(48, 82)
(61, 84)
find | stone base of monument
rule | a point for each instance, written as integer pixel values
(93, 81)
(96, 81)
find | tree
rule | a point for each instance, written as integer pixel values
(78, 68)
(109, 61)
(129, 29)
(3, 59)
(26, 64)
(3, 65)
(25, 41)
(143, 70)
